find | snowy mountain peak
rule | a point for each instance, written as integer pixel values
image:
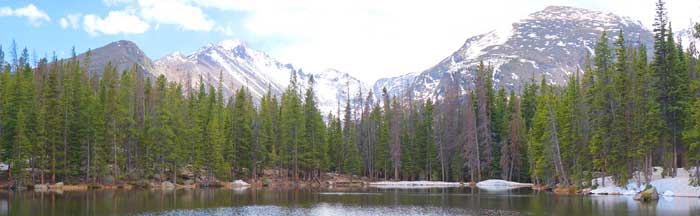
(580, 14)
(231, 44)
(551, 43)
(242, 66)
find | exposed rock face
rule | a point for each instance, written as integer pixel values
(122, 54)
(647, 195)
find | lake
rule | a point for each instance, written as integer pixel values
(333, 201)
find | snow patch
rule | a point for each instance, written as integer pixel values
(501, 183)
(676, 186)
(230, 44)
(496, 185)
(240, 183)
(414, 184)
(495, 37)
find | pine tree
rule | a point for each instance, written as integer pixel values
(292, 130)
(313, 147)
(499, 123)
(671, 84)
(603, 108)
(484, 94)
(161, 130)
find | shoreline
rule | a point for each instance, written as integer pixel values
(341, 182)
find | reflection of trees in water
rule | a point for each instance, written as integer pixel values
(362, 201)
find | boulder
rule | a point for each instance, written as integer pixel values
(186, 173)
(108, 180)
(41, 187)
(167, 185)
(649, 194)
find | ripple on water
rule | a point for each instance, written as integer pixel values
(333, 210)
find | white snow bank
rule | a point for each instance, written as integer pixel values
(414, 184)
(500, 185)
(676, 186)
(240, 183)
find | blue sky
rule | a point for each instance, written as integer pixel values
(46, 36)
(368, 38)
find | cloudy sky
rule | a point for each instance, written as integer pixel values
(368, 38)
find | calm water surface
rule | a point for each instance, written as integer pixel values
(356, 201)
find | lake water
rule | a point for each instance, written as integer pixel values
(328, 201)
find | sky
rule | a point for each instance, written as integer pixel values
(370, 39)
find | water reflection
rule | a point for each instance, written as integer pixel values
(335, 201)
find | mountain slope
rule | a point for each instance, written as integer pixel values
(239, 66)
(122, 54)
(552, 43)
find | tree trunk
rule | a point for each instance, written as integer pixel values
(555, 142)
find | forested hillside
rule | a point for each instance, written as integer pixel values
(619, 115)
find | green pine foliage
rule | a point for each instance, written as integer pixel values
(619, 115)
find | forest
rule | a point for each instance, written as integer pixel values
(624, 112)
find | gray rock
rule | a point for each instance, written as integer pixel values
(41, 187)
(167, 185)
(108, 180)
(647, 195)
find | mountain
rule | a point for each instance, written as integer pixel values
(231, 60)
(122, 54)
(239, 65)
(236, 63)
(552, 43)
(333, 88)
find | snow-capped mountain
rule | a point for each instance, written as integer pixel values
(552, 43)
(236, 63)
(333, 88)
(231, 60)
(239, 66)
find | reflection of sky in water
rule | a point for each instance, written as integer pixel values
(334, 210)
(3, 207)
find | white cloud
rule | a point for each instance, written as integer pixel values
(70, 21)
(175, 12)
(36, 17)
(116, 22)
(228, 31)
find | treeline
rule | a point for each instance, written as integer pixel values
(620, 115)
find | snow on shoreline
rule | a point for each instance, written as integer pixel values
(501, 183)
(491, 184)
(414, 184)
(496, 185)
(670, 187)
